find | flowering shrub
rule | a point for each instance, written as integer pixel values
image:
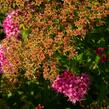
(54, 35)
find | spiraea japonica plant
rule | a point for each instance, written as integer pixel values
(43, 39)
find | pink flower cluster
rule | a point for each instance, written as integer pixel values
(3, 60)
(11, 28)
(73, 86)
(101, 52)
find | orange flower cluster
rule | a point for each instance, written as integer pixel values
(52, 25)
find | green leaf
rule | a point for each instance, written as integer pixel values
(9, 94)
(95, 66)
(61, 28)
(24, 34)
(52, 35)
(80, 56)
(56, 21)
(97, 59)
(50, 28)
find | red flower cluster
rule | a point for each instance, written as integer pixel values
(39, 106)
(102, 53)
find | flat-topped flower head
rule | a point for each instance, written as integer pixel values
(11, 28)
(73, 86)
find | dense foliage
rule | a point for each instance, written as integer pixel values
(51, 46)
